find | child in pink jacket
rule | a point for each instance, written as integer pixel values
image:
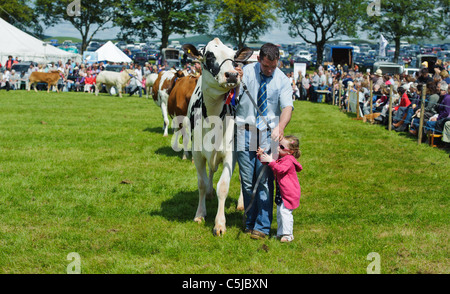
(285, 170)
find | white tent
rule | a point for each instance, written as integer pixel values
(17, 43)
(110, 52)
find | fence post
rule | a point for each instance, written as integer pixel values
(371, 99)
(422, 114)
(339, 94)
(391, 92)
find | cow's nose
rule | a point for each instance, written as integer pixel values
(231, 77)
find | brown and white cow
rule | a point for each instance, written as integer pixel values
(161, 90)
(50, 78)
(177, 106)
(219, 76)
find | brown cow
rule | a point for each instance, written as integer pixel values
(179, 98)
(161, 91)
(50, 78)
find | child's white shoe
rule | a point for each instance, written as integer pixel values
(287, 238)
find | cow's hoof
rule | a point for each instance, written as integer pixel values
(219, 231)
(199, 219)
(240, 207)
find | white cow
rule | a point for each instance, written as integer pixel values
(149, 81)
(111, 78)
(219, 76)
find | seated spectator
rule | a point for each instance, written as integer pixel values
(430, 108)
(437, 121)
(14, 80)
(402, 112)
(79, 83)
(4, 83)
(89, 82)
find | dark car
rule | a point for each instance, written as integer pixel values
(297, 59)
(153, 54)
(368, 62)
(22, 67)
(140, 58)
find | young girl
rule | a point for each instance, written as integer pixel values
(285, 170)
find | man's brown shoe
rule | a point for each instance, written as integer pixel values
(257, 235)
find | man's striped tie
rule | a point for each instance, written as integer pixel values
(262, 103)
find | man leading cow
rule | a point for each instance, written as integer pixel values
(272, 93)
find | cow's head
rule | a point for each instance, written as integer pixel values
(219, 61)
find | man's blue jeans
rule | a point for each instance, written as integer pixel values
(260, 215)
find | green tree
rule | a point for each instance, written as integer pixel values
(318, 21)
(94, 16)
(19, 14)
(145, 19)
(240, 20)
(402, 19)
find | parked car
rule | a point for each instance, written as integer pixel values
(297, 59)
(22, 67)
(140, 57)
(153, 54)
(304, 54)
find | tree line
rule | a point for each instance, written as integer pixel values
(314, 21)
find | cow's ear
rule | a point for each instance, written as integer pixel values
(243, 54)
(191, 51)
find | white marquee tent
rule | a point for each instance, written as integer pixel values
(17, 43)
(109, 52)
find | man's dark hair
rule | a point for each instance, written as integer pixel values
(270, 51)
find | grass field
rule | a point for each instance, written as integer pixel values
(95, 176)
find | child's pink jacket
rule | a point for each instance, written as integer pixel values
(285, 170)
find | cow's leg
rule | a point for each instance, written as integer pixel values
(186, 133)
(202, 178)
(210, 191)
(240, 205)
(166, 118)
(223, 187)
(48, 88)
(119, 89)
(97, 89)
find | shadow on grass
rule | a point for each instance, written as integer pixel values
(158, 130)
(183, 206)
(169, 152)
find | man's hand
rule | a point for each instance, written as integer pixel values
(240, 71)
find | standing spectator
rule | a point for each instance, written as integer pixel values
(305, 87)
(315, 81)
(137, 81)
(322, 85)
(9, 63)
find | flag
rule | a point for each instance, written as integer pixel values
(383, 44)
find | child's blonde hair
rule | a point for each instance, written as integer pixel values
(294, 145)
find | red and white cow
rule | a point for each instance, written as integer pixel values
(177, 106)
(161, 90)
(219, 76)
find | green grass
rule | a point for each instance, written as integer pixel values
(94, 175)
